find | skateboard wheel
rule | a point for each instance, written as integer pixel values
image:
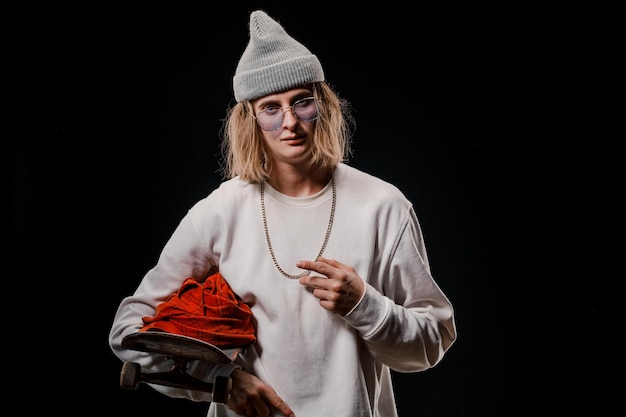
(130, 375)
(221, 389)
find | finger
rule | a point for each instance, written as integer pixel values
(249, 410)
(249, 299)
(314, 281)
(240, 405)
(317, 266)
(261, 409)
(332, 262)
(282, 406)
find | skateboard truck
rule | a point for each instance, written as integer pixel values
(180, 350)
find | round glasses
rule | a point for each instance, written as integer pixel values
(271, 117)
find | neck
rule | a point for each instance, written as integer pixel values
(299, 183)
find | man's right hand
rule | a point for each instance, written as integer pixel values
(251, 397)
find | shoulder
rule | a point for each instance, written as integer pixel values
(362, 185)
(232, 192)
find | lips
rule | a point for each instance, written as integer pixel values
(294, 139)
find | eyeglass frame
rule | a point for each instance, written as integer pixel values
(284, 109)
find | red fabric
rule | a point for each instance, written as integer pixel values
(208, 311)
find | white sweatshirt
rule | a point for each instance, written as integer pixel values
(320, 363)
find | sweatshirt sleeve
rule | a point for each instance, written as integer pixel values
(178, 260)
(404, 318)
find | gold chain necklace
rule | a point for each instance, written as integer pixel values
(267, 233)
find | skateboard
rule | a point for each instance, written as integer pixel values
(180, 350)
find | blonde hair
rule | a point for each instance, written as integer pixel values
(243, 147)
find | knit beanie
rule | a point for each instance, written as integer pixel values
(273, 61)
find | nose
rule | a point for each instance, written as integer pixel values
(289, 117)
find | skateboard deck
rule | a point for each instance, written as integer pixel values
(180, 350)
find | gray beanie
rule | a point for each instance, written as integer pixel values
(273, 61)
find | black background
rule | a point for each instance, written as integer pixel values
(499, 124)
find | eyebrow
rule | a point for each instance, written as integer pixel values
(271, 100)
